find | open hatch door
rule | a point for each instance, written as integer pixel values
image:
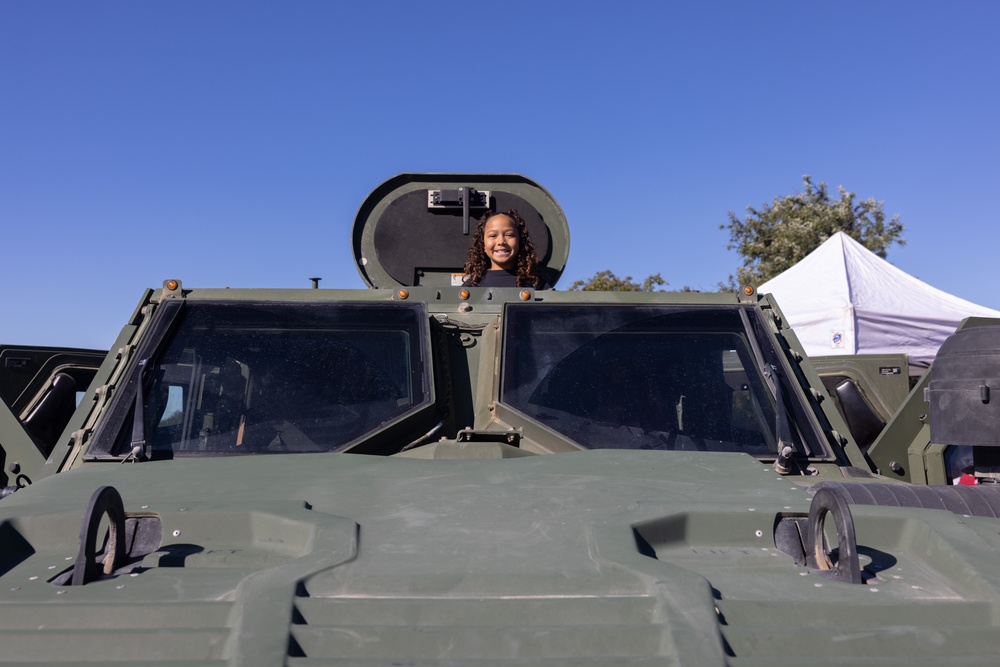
(415, 229)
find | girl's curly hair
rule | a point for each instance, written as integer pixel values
(477, 263)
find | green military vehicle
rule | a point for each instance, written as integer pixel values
(892, 417)
(866, 388)
(931, 437)
(425, 473)
(40, 389)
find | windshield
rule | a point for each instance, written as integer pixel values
(270, 378)
(638, 377)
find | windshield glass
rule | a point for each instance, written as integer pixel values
(254, 378)
(638, 377)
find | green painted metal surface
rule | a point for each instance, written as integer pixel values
(411, 475)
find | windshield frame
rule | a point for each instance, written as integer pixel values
(113, 436)
(762, 357)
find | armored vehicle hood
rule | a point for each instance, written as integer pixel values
(600, 557)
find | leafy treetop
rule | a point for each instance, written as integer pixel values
(779, 234)
(606, 281)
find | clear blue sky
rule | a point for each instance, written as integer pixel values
(230, 143)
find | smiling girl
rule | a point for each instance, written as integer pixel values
(501, 254)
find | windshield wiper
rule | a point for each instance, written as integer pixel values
(138, 451)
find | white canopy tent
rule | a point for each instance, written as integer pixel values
(844, 299)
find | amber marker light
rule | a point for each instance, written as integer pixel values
(464, 294)
(171, 284)
(525, 295)
(748, 289)
(402, 294)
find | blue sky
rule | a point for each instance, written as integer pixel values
(231, 143)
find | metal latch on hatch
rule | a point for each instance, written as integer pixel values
(464, 197)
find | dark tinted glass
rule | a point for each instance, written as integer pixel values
(254, 378)
(638, 377)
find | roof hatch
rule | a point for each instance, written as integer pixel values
(415, 229)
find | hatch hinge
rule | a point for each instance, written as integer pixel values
(464, 197)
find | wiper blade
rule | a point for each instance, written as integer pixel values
(138, 451)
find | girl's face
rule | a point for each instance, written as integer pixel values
(501, 242)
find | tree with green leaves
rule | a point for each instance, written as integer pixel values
(779, 234)
(606, 281)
